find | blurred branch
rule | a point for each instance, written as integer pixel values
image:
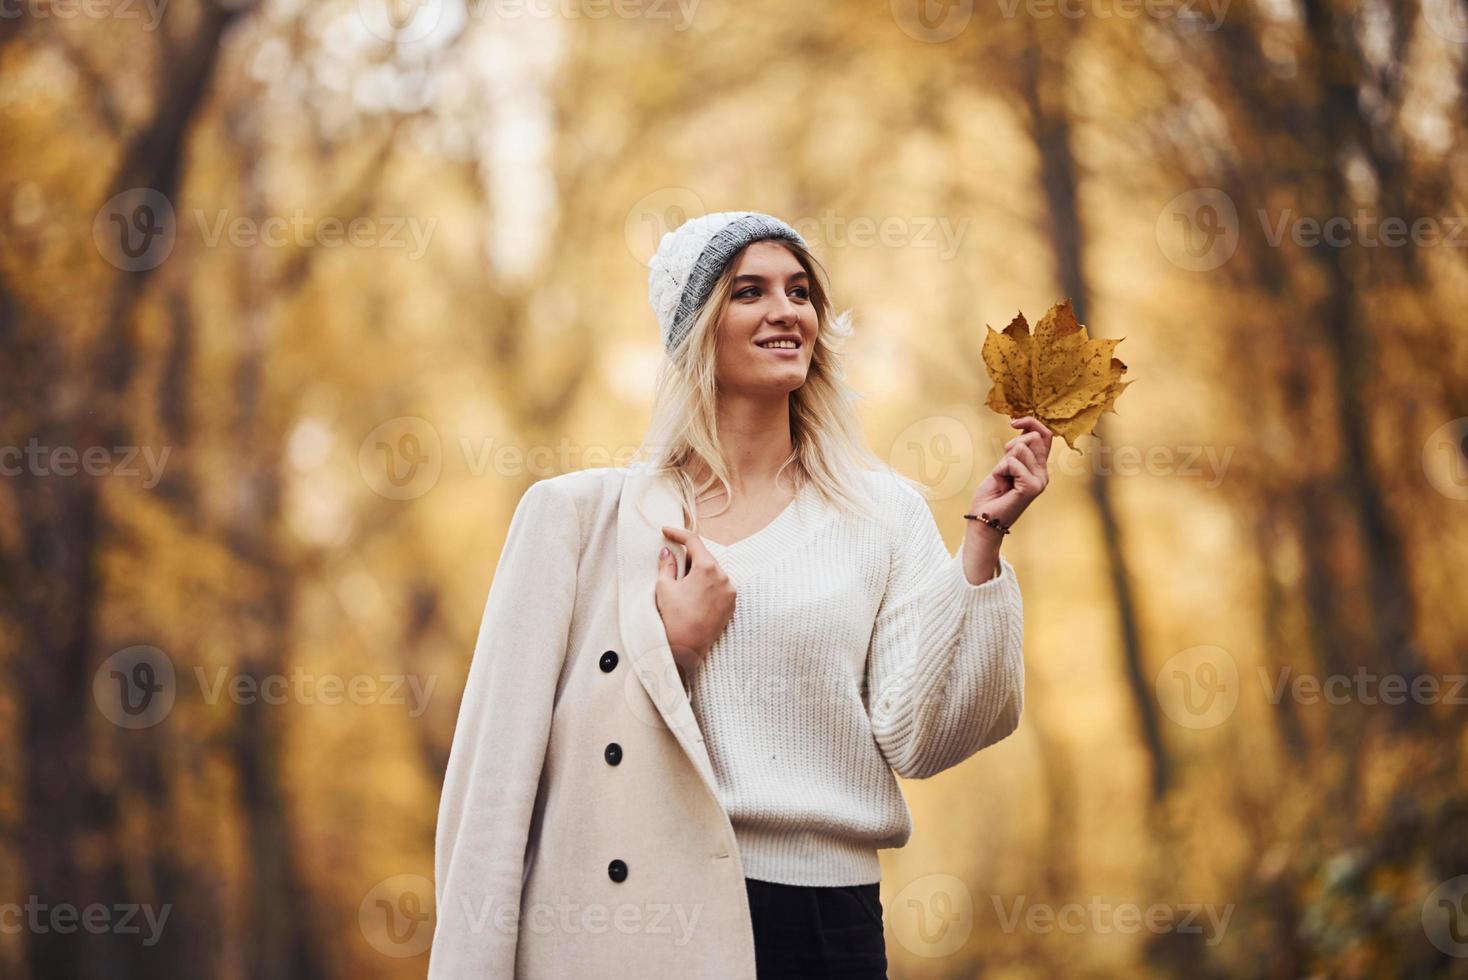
(65, 527)
(154, 158)
(1042, 84)
(356, 198)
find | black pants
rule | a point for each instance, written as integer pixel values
(809, 932)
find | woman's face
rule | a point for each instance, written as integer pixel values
(770, 299)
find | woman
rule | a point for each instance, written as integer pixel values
(676, 748)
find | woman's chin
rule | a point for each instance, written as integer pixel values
(769, 383)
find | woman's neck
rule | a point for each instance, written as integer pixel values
(755, 437)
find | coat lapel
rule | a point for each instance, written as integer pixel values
(649, 502)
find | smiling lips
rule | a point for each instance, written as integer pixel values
(786, 343)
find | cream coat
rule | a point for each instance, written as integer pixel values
(571, 672)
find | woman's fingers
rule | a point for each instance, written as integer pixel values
(1031, 424)
(667, 564)
(1032, 439)
(1026, 455)
(1025, 479)
(698, 554)
(1006, 468)
(680, 535)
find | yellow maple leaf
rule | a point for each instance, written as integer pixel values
(1058, 374)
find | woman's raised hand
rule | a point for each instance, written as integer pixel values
(695, 607)
(1021, 474)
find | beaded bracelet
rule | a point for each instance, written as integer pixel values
(992, 522)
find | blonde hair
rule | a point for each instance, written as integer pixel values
(830, 452)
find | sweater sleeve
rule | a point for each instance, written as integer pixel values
(946, 661)
(500, 739)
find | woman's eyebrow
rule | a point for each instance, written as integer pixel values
(757, 278)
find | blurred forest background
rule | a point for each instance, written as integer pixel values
(298, 298)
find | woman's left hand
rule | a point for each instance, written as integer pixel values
(1020, 476)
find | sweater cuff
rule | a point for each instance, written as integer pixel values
(970, 590)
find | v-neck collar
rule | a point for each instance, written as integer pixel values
(788, 528)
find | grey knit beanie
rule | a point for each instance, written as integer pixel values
(690, 259)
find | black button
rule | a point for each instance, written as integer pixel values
(617, 870)
(609, 661)
(613, 753)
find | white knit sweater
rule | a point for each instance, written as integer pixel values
(832, 606)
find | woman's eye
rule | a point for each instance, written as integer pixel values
(801, 291)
